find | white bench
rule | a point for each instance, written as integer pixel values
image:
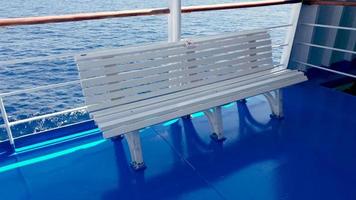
(127, 89)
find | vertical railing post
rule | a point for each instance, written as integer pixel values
(290, 34)
(6, 123)
(174, 21)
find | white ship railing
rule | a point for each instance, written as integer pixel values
(174, 34)
(307, 45)
(327, 48)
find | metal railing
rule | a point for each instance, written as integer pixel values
(330, 48)
(141, 12)
(330, 3)
(174, 34)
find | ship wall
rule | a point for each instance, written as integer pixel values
(344, 16)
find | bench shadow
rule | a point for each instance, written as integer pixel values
(297, 146)
(129, 181)
(248, 124)
(254, 146)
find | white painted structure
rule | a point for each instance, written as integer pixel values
(130, 88)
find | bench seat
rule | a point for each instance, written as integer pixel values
(128, 89)
(113, 122)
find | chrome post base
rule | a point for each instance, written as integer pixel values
(138, 166)
(187, 117)
(134, 142)
(274, 116)
(214, 116)
(117, 138)
(242, 101)
(216, 137)
(275, 101)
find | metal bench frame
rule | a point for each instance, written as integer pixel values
(130, 88)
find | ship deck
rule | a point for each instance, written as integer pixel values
(310, 154)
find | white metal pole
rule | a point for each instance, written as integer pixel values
(6, 123)
(333, 17)
(174, 21)
(291, 34)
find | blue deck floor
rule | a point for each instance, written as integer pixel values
(311, 154)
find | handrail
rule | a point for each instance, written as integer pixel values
(81, 17)
(325, 69)
(326, 47)
(329, 26)
(225, 6)
(329, 3)
(46, 115)
(39, 88)
(131, 13)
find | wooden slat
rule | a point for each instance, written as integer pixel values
(180, 97)
(156, 46)
(105, 91)
(201, 78)
(151, 120)
(134, 57)
(113, 107)
(113, 120)
(100, 70)
(216, 94)
(172, 78)
(166, 91)
(177, 60)
(156, 87)
(227, 59)
(114, 86)
(219, 93)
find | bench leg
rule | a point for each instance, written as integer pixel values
(275, 100)
(215, 119)
(134, 142)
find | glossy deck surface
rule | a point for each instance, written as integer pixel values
(310, 154)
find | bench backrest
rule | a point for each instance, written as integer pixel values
(126, 75)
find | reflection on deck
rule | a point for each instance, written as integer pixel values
(308, 155)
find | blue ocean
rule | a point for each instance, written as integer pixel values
(21, 42)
